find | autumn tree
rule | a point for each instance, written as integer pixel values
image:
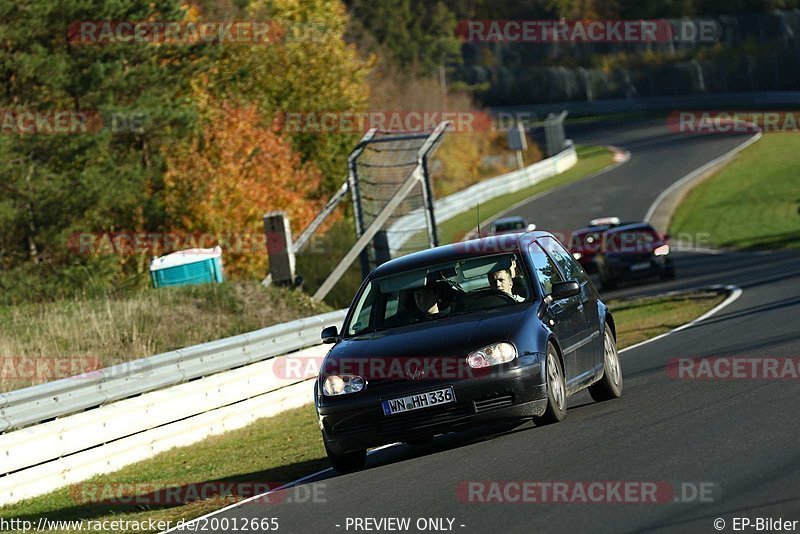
(222, 182)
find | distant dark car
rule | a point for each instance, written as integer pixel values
(617, 251)
(509, 225)
(503, 327)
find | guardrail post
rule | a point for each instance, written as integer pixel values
(279, 247)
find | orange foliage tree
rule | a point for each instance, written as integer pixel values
(222, 182)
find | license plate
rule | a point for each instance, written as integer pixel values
(416, 402)
(640, 266)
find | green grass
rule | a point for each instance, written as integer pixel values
(640, 319)
(590, 160)
(283, 448)
(754, 203)
(101, 331)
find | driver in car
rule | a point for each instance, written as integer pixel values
(503, 280)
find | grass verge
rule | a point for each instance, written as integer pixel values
(640, 319)
(590, 160)
(283, 448)
(45, 341)
(754, 203)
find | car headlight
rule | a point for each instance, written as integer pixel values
(492, 355)
(343, 384)
(577, 255)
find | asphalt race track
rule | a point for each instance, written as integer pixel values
(740, 438)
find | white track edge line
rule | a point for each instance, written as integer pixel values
(186, 524)
(735, 293)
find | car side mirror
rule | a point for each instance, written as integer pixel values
(330, 334)
(564, 290)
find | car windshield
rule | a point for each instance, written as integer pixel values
(440, 291)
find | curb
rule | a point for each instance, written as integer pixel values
(663, 207)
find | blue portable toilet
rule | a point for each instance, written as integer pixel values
(188, 267)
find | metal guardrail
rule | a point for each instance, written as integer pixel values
(40, 403)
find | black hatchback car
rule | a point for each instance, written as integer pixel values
(504, 327)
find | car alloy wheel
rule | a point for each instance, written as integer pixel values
(610, 385)
(556, 390)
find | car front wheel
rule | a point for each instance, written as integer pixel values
(556, 390)
(347, 462)
(610, 386)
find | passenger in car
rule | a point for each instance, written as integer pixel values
(426, 299)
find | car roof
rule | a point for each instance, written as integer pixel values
(631, 226)
(639, 225)
(486, 246)
(504, 220)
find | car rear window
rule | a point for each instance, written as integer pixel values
(506, 227)
(632, 241)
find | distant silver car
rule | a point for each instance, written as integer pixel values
(510, 225)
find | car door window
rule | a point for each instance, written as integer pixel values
(546, 271)
(571, 269)
(362, 321)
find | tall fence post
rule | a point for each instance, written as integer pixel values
(279, 247)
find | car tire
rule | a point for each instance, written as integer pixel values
(347, 462)
(610, 386)
(556, 409)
